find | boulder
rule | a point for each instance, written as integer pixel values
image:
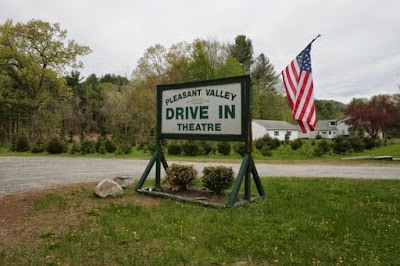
(124, 181)
(107, 187)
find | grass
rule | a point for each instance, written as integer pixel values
(300, 222)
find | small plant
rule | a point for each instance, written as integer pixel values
(181, 176)
(190, 148)
(56, 146)
(322, 148)
(217, 178)
(296, 144)
(88, 146)
(38, 147)
(340, 145)
(206, 147)
(174, 148)
(22, 144)
(224, 147)
(240, 148)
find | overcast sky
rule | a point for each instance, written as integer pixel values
(358, 54)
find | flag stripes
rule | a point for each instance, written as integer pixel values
(298, 83)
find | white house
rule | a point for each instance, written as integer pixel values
(274, 128)
(330, 129)
(325, 128)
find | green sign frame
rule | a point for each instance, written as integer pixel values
(239, 130)
(204, 88)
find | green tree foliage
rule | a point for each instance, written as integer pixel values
(329, 109)
(33, 57)
(242, 50)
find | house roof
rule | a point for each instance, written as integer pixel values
(324, 125)
(275, 125)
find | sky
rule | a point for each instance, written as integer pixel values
(357, 55)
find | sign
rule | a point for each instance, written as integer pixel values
(213, 109)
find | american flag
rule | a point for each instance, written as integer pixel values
(298, 82)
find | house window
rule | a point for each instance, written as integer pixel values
(276, 133)
(332, 123)
(343, 132)
(323, 132)
(289, 133)
(329, 133)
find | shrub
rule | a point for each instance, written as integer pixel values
(265, 151)
(76, 148)
(217, 178)
(38, 147)
(22, 144)
(369, 143)
(274, 144)
(240, 148)
(56, 146)
(181, 176)
(318, 136)
(322, 148)
(356, 143)
(124, 148)
(110, 146)
(206, 147)
(261, 142)
(224, 147)
(340, 145)
(190, 148)
(88, 146)
(174, 148)
(296, 144)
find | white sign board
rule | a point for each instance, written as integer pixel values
(215, 109)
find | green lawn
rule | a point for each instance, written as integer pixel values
(300, 222)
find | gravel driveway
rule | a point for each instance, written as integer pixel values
(27, 173)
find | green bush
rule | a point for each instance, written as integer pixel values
(296, 144)
(190, 148)
(240, 148)
(340, 145)
(110, 146)
(56, 146)
(224, 147)
(76, 148)
(356, 143)
(217, 178)
(318, 136)
(181, 176)
(263, 141)
(369, 143)
(88, 146)
(174, 148)
(38, 147)
(322, 148)
(274, 144)
(22, 144)
(206, 147)
(265, 151)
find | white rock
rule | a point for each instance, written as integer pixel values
(107, 187)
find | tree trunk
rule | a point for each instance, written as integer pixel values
(34, 121)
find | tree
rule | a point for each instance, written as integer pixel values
(242, 50)
(263, 72)
(373, 116)
(34, 56)
(329, 109)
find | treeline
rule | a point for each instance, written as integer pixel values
(40, 99)
(44, 96)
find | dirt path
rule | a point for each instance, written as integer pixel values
(30, 173)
